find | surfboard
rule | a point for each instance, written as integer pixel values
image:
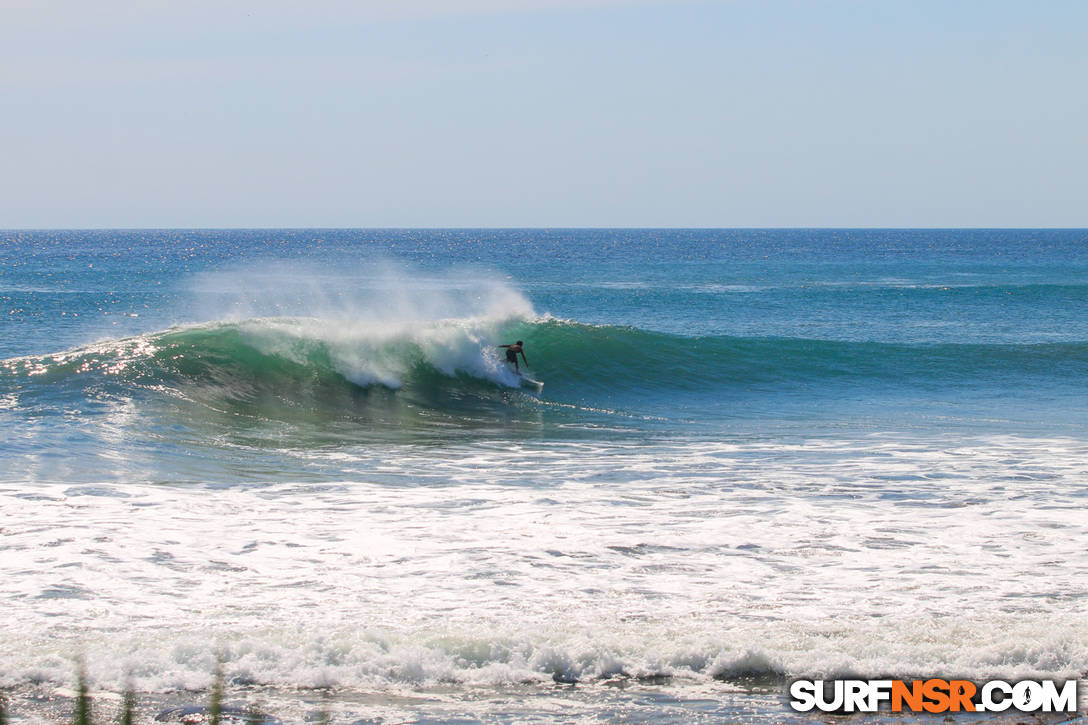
(527, 382)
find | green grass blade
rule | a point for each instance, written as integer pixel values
(82, 714)
(128, 707)
(215, 705)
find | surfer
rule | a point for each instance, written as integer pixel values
(512, 355)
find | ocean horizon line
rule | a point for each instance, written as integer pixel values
(542, 228)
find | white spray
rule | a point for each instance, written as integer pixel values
(375, 322)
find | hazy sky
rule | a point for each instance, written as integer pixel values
(265, 113)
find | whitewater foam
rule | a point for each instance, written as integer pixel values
(369, 352)
(694, 561)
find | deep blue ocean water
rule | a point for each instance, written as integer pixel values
(730, 421)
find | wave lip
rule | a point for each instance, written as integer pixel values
(365, 355)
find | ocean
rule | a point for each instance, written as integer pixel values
(754, 456)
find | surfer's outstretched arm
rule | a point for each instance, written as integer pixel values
(525, 359)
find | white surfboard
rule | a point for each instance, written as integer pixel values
(527, 382)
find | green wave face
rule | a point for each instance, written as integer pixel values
(586, 357)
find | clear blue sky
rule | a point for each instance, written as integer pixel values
(269, 113)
